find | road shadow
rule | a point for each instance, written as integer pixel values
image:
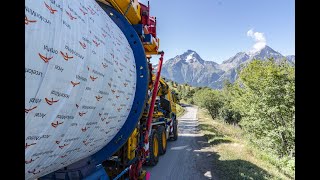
(185, 105)
(238, 169)
(230, 169)
(199, 161)
(213, 136)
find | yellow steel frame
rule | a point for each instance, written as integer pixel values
(133, 13)
(132, 144)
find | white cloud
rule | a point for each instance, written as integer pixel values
(260, 40)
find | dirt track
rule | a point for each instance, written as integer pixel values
(185, 158)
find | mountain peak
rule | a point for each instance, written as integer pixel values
(268, 48)
(239, 57)
(234, 61)
(266, 52)
(189, 52)
(191, 56)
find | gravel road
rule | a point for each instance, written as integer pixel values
(186, 158)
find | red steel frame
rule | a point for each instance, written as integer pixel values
(153, 98)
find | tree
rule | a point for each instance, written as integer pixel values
(265, 97)
(210, 100)
(228, 112)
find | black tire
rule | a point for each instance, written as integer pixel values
(162, 134)
(175, 130)
(153, 158)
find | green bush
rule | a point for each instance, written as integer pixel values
(210, 100)
(229, 115)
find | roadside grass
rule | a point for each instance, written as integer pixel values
(183, 101)
(180, 110)
(234, 158)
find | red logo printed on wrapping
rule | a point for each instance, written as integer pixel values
(84, 13)
(30, 161)
(50, 102)
(70, 16)
(64, 145)
(63, 156)
(52, 11)
(82, 113)
(74, 84)
(96, 43)
(104, 65)
(27, 145)
(65, 56)
(84, 129)
(91, 11)
(83, 45)
(56, 124)
(44, 58)
(27, 21)
(98, 97)
(85, 142)
(28, 110)
(33, 171)
(93, 78)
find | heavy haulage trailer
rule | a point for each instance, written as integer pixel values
(94, 107)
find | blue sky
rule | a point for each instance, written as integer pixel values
(217, 29)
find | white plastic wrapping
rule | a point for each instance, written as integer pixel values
(80, 82)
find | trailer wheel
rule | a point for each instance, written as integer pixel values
(162, 140)
(153, 148)
(175, 130)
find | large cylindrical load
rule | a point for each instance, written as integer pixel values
(82, 81)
